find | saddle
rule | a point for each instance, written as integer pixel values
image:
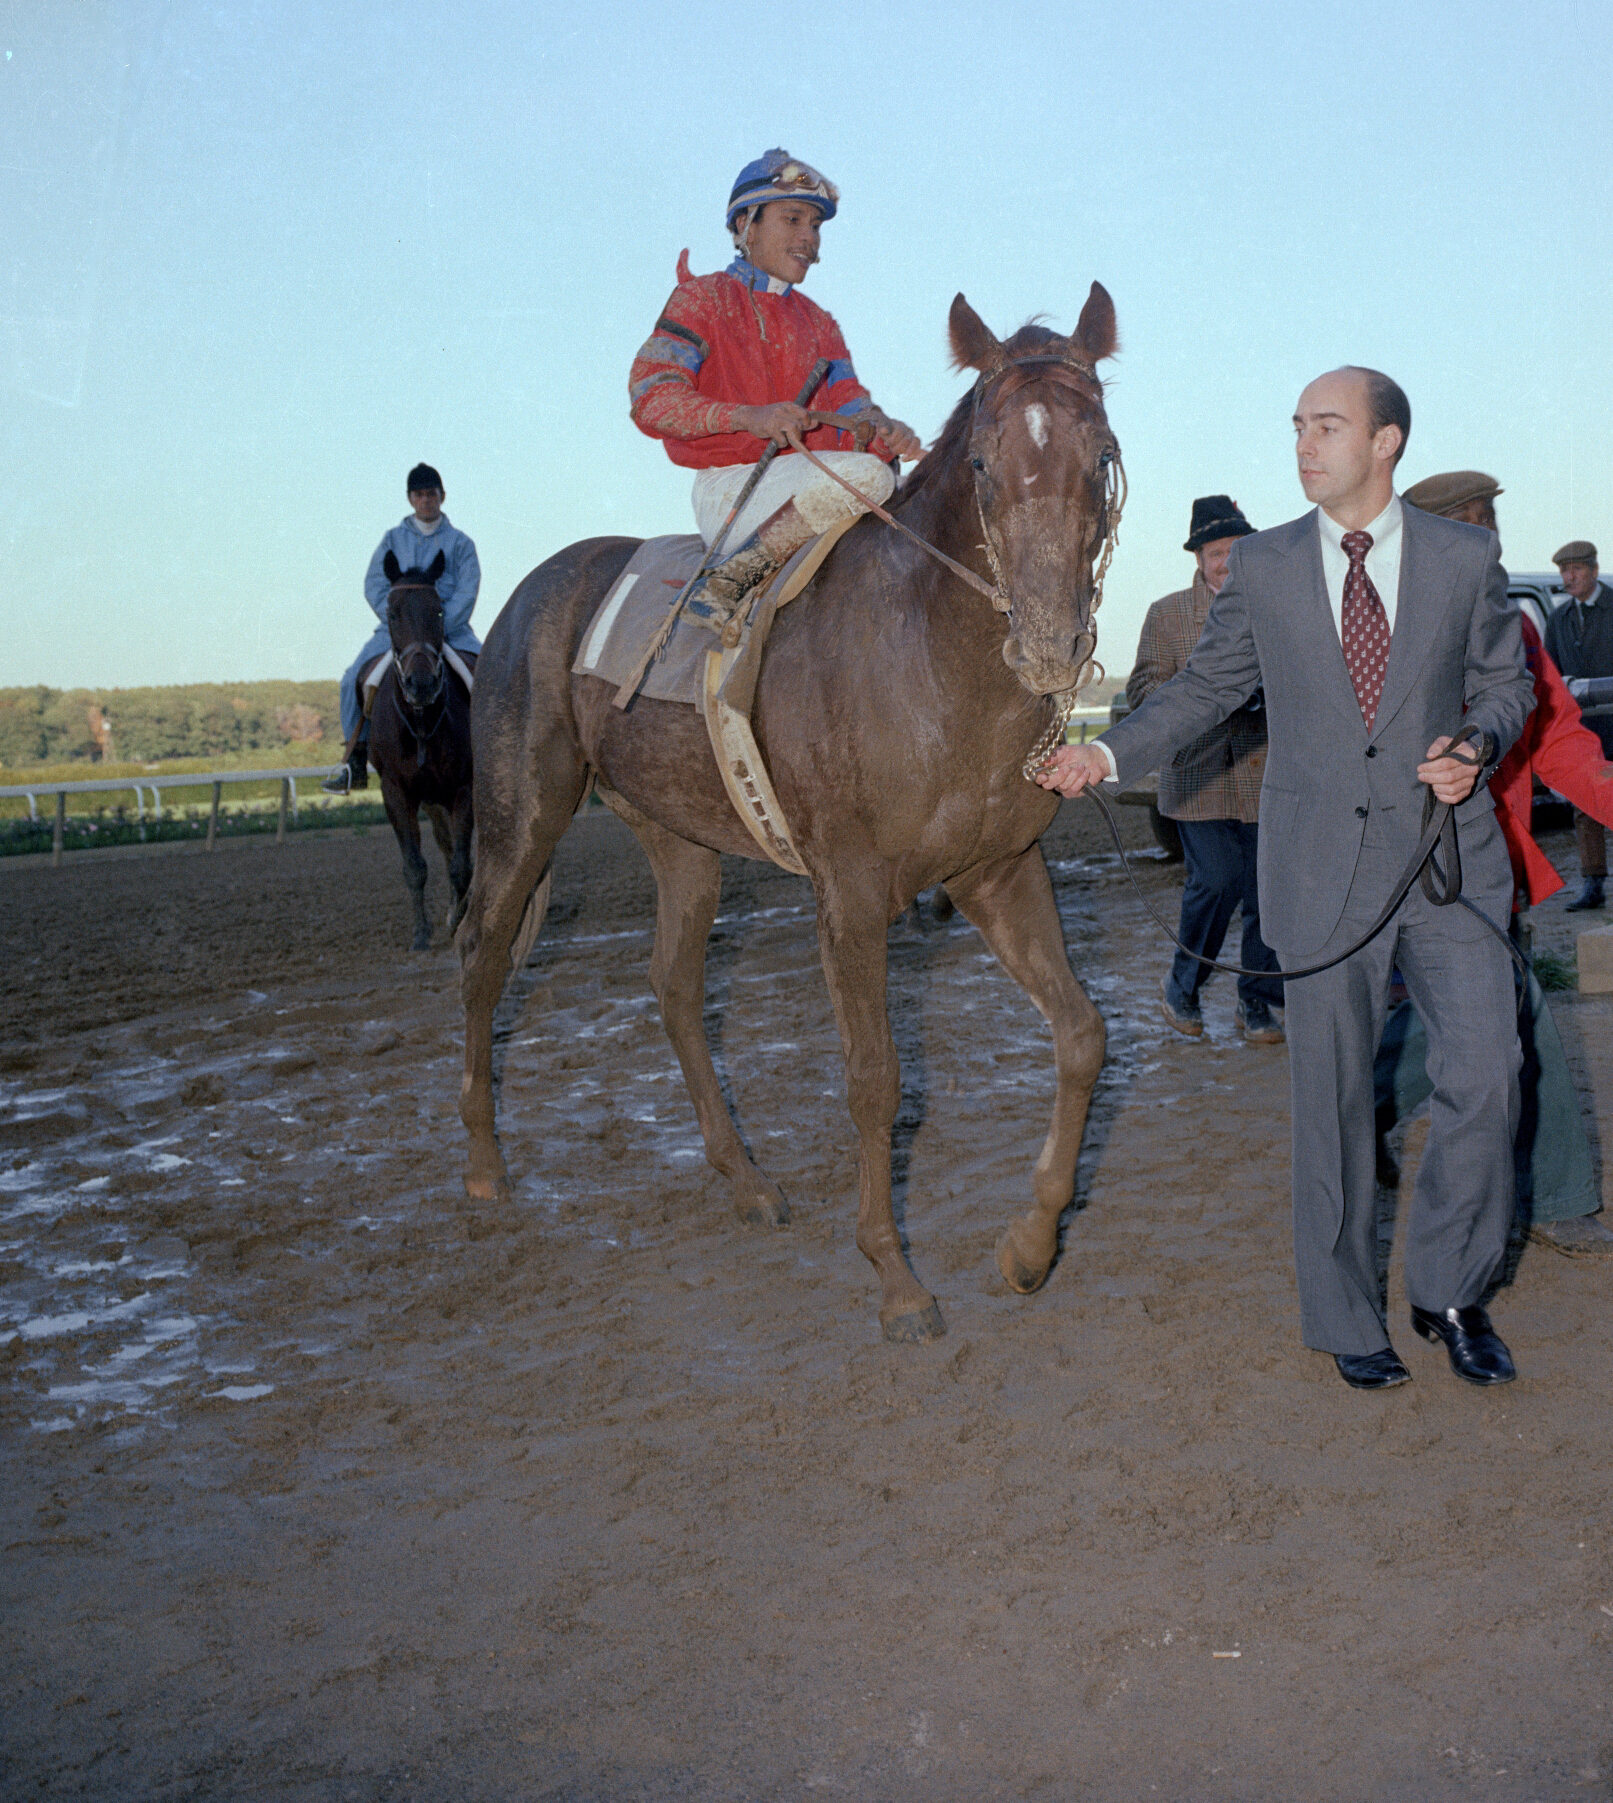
(711, 661)
(369, 678)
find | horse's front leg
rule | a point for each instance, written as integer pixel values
(1012, 904)
(405, 817)
(853, 916)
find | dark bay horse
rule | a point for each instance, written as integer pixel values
(895, 710)
(420, 741)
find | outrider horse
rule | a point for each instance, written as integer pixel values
(895, 709)
(420, 741)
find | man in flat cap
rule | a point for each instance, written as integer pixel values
(1466, 495)
(1211, 789)
(1579, 637)
(1559, 1196)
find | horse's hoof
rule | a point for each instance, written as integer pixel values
(915, 1327)
(480, 1187)
(1020, 1272)
(762, 1204)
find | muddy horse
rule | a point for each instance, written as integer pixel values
(420, 741)
(895, 710)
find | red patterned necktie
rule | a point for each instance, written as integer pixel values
(1364, 628)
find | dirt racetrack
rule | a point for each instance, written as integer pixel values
(319, 1485)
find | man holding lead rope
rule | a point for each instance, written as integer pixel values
(1375, 631)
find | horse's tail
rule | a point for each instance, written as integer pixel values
(537, 905)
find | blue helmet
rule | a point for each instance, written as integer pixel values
(776, 175)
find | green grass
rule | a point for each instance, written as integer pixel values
(97, 806)
(1553, 971)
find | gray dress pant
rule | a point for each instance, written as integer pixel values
(1459, 977)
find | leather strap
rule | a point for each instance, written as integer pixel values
(1441, 883)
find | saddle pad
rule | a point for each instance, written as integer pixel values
(638, 601)
(632, 612)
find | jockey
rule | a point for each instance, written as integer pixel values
(718, 379)
(414, 541)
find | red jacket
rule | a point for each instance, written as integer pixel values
(724, 341)
(1565, 754)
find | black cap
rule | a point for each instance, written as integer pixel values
(1215, 516)
(423, 477)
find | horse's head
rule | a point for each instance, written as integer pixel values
(414, 618)
(1047, 480)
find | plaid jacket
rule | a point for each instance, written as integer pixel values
(1217, 777)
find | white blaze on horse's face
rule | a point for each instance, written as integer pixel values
(1036, 420)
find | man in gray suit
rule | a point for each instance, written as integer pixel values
(1370, 627)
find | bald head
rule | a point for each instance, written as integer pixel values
(1350, 428)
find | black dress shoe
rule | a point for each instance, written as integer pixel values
(1477, 1350)
(1590, 896)
(1372, 1370)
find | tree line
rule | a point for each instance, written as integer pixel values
(204, 719)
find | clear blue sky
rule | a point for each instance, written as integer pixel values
(260, 257)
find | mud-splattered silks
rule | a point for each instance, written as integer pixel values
(1364, 627)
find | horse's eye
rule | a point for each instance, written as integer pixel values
(978, 462)
(1107, 458)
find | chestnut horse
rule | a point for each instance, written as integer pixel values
(420, 741)
(895, 709)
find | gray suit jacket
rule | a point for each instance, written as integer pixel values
(1456, 642)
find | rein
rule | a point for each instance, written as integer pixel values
(1064, 702)
(1441, 883)
(407, 711)
(995, 596)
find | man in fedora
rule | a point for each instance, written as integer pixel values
(1579, 637)
(1377, 632)
(1211, 789)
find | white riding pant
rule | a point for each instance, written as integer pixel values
(820, 502)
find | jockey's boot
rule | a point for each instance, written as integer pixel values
(355, 773)
(763, 554)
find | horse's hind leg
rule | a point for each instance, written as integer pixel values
(453, 841)
(459, 856)
(521, 822)
(1012, 904)
(688, 883)
(406, 824)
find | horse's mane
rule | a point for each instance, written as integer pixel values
(938, 462)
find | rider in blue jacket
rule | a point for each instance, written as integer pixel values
(414, 541)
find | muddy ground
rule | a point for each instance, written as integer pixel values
(320, 1486)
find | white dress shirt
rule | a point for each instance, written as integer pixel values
(1383, 561)
(1383, 566)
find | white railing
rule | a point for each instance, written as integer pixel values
(287, 780)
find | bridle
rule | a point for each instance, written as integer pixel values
(1114, 502)
(410, 712)
(997, 592)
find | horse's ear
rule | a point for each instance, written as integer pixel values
(974, 344)
(436, 567)
(391, 568)
(1095, 332)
